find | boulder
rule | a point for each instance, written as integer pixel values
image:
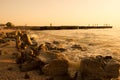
(99, 68)
(73, 68)
(18, 42)
(26, 39)
(50, 46)
(56, 68)
(42, 47)
(47, 57)
(63, 77)
(79, 47)
(56, 42)
(28, 66)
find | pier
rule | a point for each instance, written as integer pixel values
(67, 27)
(59, 27)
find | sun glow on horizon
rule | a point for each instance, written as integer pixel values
(60, 12)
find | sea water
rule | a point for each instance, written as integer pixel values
(104, 42)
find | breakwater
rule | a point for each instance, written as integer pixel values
(61, 27)
(68, 27)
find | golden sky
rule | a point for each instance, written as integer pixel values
(60, 12)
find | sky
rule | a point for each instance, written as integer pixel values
(60, 12)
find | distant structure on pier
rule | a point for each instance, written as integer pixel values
(50, 24)
(97, 25)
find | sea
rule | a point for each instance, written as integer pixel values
(94, 42)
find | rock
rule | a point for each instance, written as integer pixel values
(18, 33)
(26, 39)
(107, 57)
(56, 46)
(26, 76)
(15, 54)
(18, 42)
(11, 34)
(56, 42)
(79, 47)
(99, 68)
(49, 78)
(61, 49)
(64, 77)
(73, 68)
(20, 60)
(56, 68)
(55, 61)
(32, 38)
(50, 46)
(22, 40)
(69, 40)
(2, 41)
(2, 35)
(34, 42)
(35, 50)
(28, 66)
(42, 47)
(47, 57)
(23, 56)
(10, 68)
(112, 69)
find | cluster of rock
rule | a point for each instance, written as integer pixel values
(5, 37)
(47, 58)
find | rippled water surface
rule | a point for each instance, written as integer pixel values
(105, 42)
(96, 41)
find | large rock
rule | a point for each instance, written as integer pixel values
(47, 57)
(99, 68)
(28, 66)
(79, 47)
(73, 68)
(57, 64)
(57, 47)
(56, 68)
(18, 42)
(26, 39)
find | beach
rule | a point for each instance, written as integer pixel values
(9, 70)
(78, 44)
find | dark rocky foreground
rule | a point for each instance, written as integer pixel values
(48, 59)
